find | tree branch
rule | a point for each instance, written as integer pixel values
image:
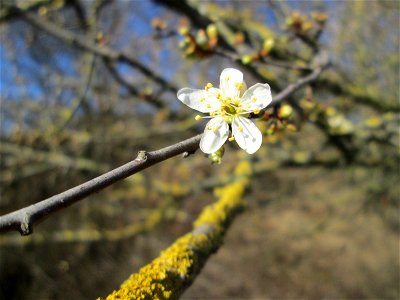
(24, 219)
(170, 274)
(85, 44)
(291, 88)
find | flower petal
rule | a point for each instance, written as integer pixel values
(200, 100)
(256, 97)
(231, 81)
(246, 134)
(215, 135)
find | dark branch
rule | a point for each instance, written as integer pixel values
(85, 44)
(291, 88)
(24, 219)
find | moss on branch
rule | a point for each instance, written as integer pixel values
(167, 276)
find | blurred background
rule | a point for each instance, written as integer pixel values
(86, 84)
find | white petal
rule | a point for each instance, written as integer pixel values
(215, 135)
(256, 97)
(246, 134)
(230, 80)
(200, 100)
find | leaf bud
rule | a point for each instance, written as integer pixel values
(285, 111)
(216, 157)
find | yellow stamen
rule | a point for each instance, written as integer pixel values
(231, 139)
(208, 105)
(202, 99)
(209, 128)
(254, 99)
(227, 78)
(236, 102)
(256, 111)
(197, 118)
(240, 128)
(238, 109)
(239, 85)
(215, 129)
(208, 86)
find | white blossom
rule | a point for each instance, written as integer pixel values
(228, 107)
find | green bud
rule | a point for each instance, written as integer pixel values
(285, 111)
(212, 31)
(201, 39)
(268, 44)
(246, 59)
(216, 157)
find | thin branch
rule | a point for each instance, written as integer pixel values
(24, 219)
(131, 88)
(291, 88)
(83, 96)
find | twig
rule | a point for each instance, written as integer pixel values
(131, 88)
(291, 88)
(83, 96)
(24, 219)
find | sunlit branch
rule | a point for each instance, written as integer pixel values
(24, 219)
(170, 274)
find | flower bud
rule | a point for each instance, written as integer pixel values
(201, 39)
(183, 30)
(246, 59)
(212, 31)
(268, 44)
(216, 157)
(285, 111)
(291, 127)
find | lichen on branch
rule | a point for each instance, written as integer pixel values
(167, 276)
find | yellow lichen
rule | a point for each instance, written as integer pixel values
(168, 275)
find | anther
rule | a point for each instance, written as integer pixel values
(208, 86)
(254, 99)
(231, 139)
(256, 111)
(239, 85)
(197, 118)
(202, 99)
(240, 128)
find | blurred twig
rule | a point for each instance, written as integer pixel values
(85, 44)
